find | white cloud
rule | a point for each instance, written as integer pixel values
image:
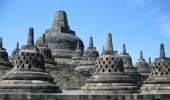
(140, 3)
(163, 23)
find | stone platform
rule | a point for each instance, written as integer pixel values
(75, 95)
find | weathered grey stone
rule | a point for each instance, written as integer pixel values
(129, 69)
(11, 59)
(28, 74)
(89, 57)
(150, 64)
(78, 53)
(109, 76)
(48, 59)
(5, 65)
(60, 39)
(159, 79)
(65, 96)
(143, 69)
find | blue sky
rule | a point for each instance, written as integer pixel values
(141, 24)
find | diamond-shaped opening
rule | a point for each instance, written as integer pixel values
(112, 58)
(166, 66)
(29, 66)
(20, 61)
(161, 74)
(166, 73)
(156, 73)
(26, 61)
(100, 66)
(106, 66)
(103, 62)
(115, 62)
(98, 70)
(24, 57)
(18, 57)
(28, 54)
(115, 70)
(106, 58)
(159, 69)
(110, 70)
(109, 62)
(22, 53)
(112, 66)
(23, 66)
(103, 70)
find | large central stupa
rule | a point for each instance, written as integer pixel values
(60, 38)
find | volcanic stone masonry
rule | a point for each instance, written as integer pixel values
(48, 59)
(129, 69)
(143, 69)
(87, 65)
(11, 59)
(60, 38)
(5, 65)
(109, 76)
(159, 79)
(78, 54)
(28, 74)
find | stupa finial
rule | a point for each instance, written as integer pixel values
(91, 42)
(141, 55)
(43, 39)
(17, 46)
(30, 40)
(124, 49)
(109, 46)
(162, 51)
(1, 44)
(103, 49)
(149, 60)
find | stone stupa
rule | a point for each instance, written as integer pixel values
(89, 58)
(109, 76)
(159, 79)
(150, 64)
(48, 59)
(11, 59)
(5, 65)
(78, 55)
(28, 74)
(60, 38)
(143, 69)
(129, 69)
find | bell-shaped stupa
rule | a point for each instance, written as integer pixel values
(48, 59)
(5, 65)
(11, 59)
(150, 64)
(143, 69)
(28, 74)
(77, 57)
(129, 69)
(89, 58)
(159, 79)
(60, 38)
(109, 76)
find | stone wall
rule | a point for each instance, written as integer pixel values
(65, 75)
(84, 97)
